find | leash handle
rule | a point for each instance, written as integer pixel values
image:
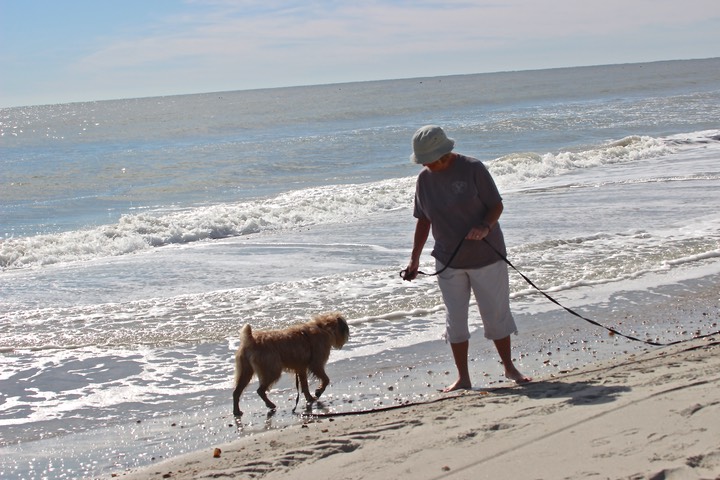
(404, 272)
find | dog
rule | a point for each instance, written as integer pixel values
(299, 349)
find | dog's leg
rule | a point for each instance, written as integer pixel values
(319, 372)
(245, 373)
(262, 391)
(302, 376)
(267, 379)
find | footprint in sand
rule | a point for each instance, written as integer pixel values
(320, 449)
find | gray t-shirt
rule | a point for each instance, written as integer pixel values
(455, 200)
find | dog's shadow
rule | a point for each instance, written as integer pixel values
(317, 404)
(297, 412)
(269, 416)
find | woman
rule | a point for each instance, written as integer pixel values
(456, 198)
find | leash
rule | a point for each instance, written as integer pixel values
(597, 324)
(404, 273)
(376, 409)
(297, 387)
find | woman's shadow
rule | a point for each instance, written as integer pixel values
(577, 393)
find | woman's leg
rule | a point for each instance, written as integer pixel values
(455, 287)
(505, 351)
(460, 355)
(492, 291)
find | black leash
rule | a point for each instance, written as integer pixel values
(612, 331)
(404, 273)
(310, 414)
(297, 387)
(573, 312)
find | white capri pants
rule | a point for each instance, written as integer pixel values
(491, 288)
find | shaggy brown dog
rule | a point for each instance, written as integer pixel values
(300, 349)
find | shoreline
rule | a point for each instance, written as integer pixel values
(634, 417)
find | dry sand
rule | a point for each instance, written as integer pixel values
(653, 415)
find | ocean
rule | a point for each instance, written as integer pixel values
(138, 236)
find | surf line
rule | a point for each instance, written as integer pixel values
(612, 331)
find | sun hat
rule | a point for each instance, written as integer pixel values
(429, 144)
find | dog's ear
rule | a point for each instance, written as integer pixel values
(343, 329)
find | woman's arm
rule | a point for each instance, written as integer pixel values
(422, 231)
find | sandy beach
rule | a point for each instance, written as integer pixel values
(652, 415)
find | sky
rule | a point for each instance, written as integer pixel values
(60, 51)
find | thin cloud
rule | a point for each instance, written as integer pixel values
(211, 45)
(254, 29)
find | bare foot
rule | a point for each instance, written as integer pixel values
(517, 377)
(459, 385)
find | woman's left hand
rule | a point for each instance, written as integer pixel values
(478, 233)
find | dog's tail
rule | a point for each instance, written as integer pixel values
(246, 340)
(246, 337)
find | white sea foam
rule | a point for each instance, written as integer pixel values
(300, 208)
(523, 168)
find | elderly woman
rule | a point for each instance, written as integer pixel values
(456, 198)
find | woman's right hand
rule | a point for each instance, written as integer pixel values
(411, 272)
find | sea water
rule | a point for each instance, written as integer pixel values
(138, 236)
